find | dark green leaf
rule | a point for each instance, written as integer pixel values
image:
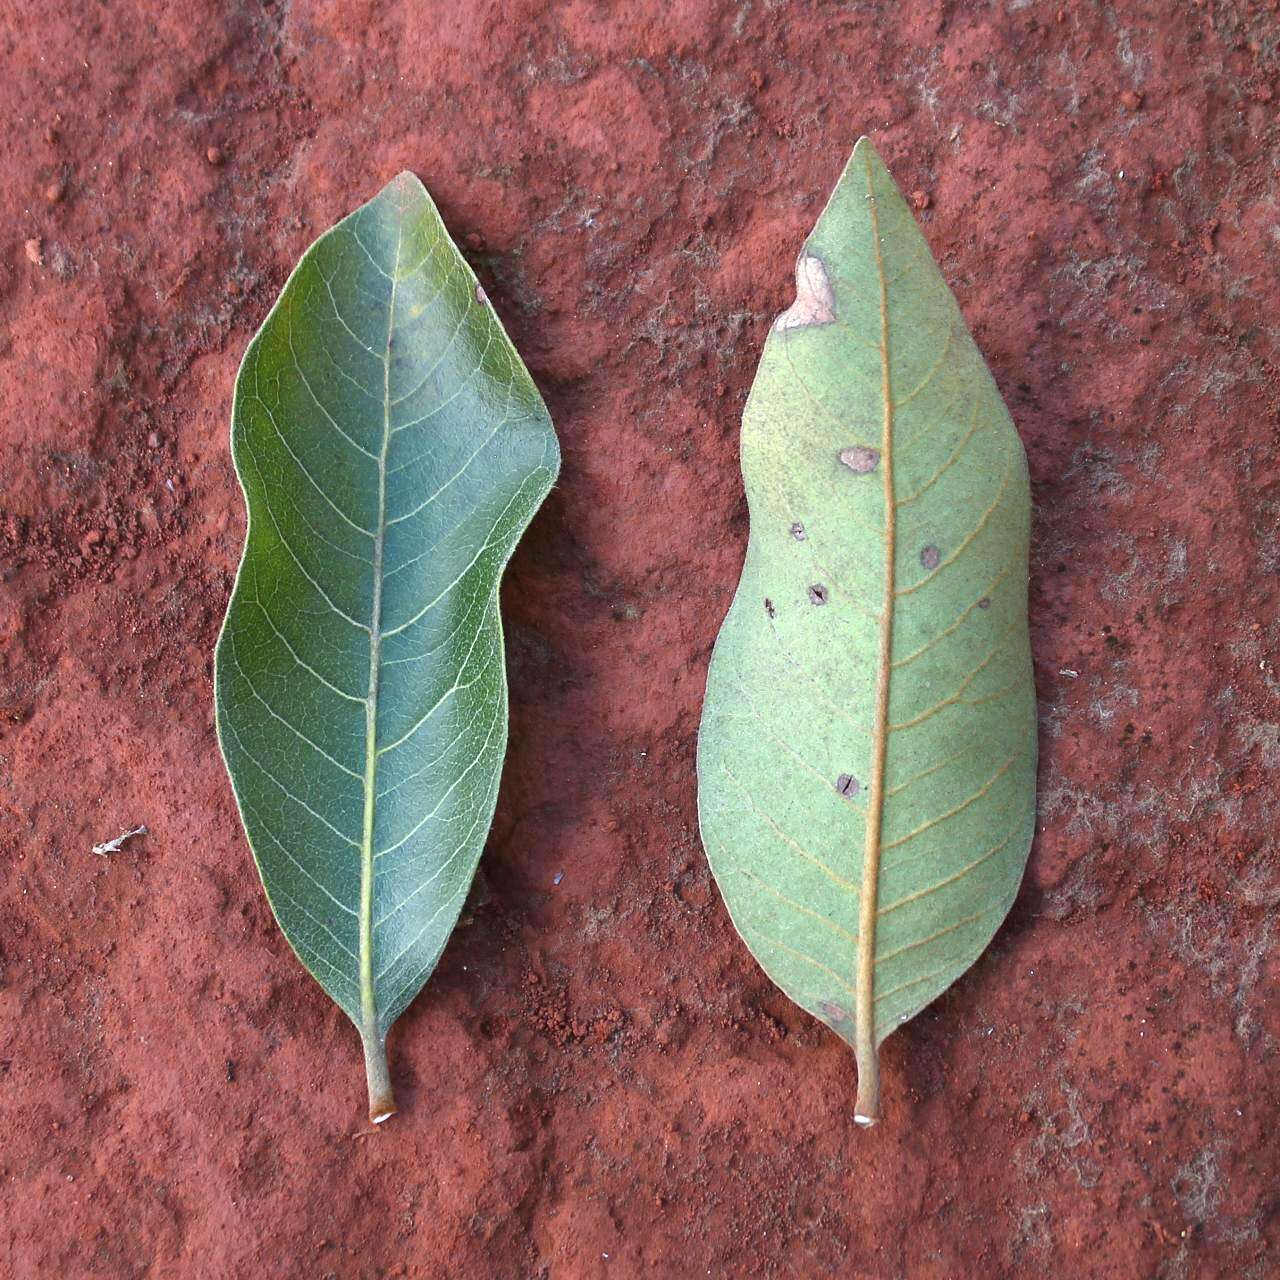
(392, 450)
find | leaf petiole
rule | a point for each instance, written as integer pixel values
(382, 1100)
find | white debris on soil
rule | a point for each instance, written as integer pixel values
(114, 846)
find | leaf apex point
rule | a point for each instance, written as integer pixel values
(865, 143)
(406, 181)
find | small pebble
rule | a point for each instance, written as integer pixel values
(35, 251)
(214, 156)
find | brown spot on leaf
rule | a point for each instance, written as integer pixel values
(985, 602)
(833, 1011)
(860, 459)
(847, 785)
(930, 557)
(769, 609)
(797, 532)
(815, 302)
(818, 593)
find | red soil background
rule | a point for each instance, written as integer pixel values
(598, 1081)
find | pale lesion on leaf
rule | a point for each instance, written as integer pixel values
(815, 302)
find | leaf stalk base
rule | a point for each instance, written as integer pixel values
(382, 1100)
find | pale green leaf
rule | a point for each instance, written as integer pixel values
(392, 450)
(867, 756)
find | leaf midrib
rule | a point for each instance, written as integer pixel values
(867, 1106)
(370, 1029)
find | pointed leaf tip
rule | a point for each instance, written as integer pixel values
(407, 178)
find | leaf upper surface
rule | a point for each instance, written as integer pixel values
(867, 752)
(392, 449)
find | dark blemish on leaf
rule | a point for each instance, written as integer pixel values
(818, 593)
(797, 532)
(860, 459)
(833, 1011)
(985, 602)
(481, 296)
(815, 302)
(769, 609)
(847, 785)
(930, 558)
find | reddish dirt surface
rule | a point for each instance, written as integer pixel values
(598, 1081)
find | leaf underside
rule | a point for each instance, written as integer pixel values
(867, 755)
(392, 449)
